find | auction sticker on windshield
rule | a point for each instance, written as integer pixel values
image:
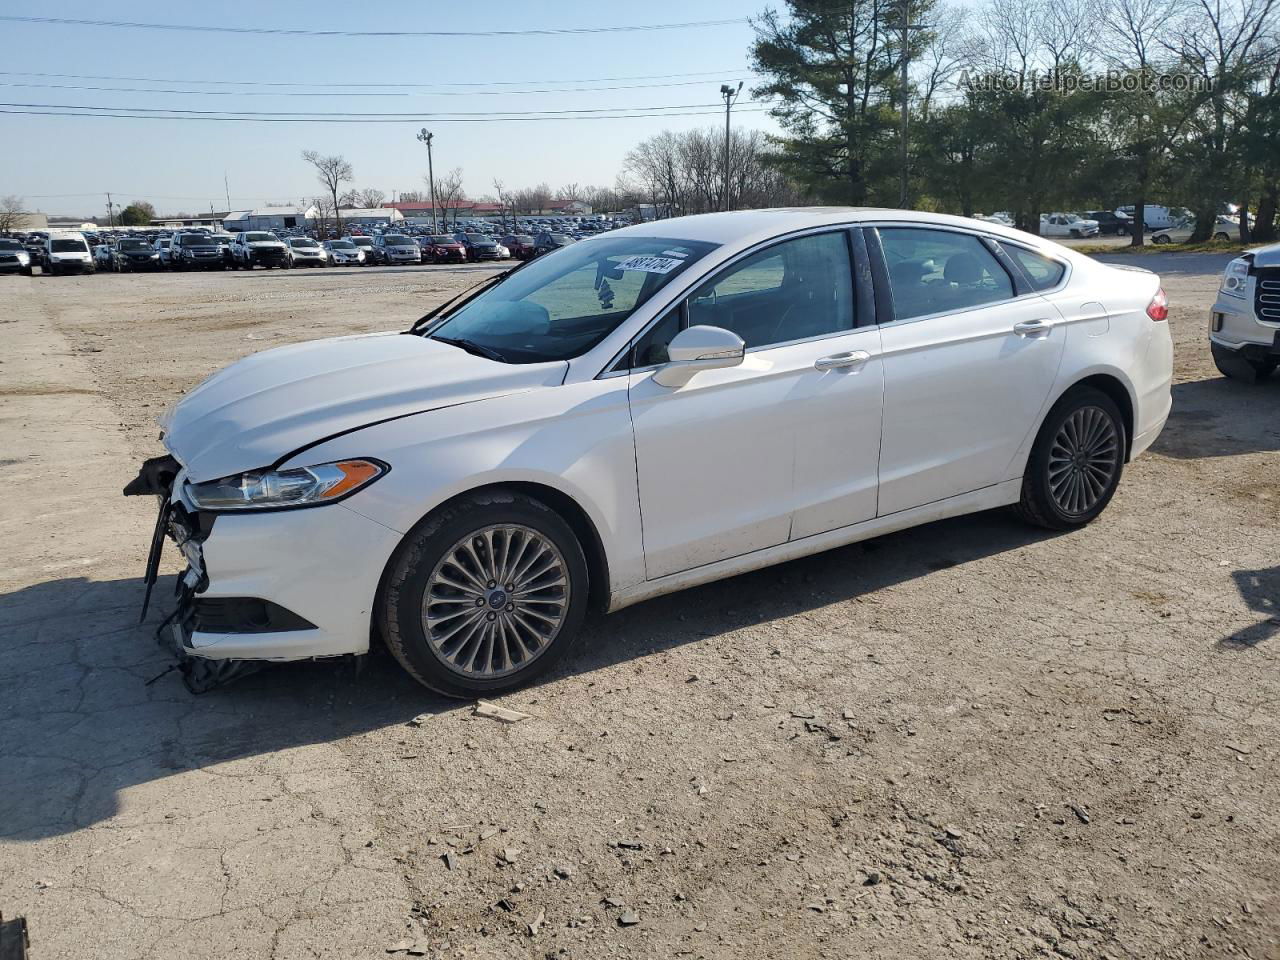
(649, 264)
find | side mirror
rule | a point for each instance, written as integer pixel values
(699, 348)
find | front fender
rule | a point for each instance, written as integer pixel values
(575, 439)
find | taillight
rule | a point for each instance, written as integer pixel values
(1158, 308)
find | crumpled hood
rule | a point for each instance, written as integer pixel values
(264, 407)
(1268, 256)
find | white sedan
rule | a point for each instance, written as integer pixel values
(639, 412)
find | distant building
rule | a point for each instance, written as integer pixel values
(370, 216)
(211, 220)
(269, 218)
(29, 221)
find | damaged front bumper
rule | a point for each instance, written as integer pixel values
(270, 586)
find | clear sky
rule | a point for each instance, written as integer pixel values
(65, 165)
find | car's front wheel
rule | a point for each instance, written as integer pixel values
(1076, 462)
(484, 595)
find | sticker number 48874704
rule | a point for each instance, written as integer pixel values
(648, 264)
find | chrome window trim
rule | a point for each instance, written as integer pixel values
(608, 369)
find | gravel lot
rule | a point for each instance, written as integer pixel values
(968, 740)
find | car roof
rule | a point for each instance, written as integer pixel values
(743, 228)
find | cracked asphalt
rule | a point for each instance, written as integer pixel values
(968, 740)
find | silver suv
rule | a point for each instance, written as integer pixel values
(1244, 327)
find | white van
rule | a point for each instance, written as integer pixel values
(1156, 218)
(66, 253)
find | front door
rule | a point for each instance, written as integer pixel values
(786, 443)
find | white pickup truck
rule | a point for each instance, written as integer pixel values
(1244, 323)
(257, 248)
(1067, 225)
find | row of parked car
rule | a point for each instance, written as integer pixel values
(199, 249)
(1166, 225)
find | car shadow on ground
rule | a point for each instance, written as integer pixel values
(82, 722)
(1260, 590)
(1221, 418)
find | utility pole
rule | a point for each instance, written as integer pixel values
(906, 26)
(111, 217)
(227, 190)
(425, 136)
(730, 94)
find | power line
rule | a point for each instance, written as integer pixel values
(460, 119)
(334, 93)
(414, 115)
(281, 32)
(318, 83)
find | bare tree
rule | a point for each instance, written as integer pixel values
(533, 199)
(371, 198)
(449, 193)
(325, 211)
(10, 213)
(504, 200)
(332, 172)
(570, 191)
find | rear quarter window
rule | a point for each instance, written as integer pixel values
(1045, 273)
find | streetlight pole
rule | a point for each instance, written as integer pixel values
(426, 136)
(730, 94)
(906, 26)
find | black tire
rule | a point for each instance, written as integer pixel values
(1040, 505)
(1222, 237)
(401, 598)
(1234, 365)
(1161, 239)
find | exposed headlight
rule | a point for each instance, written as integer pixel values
(1236, 278)
(24, 257)
(277, 489)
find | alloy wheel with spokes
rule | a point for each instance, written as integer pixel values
(496, 600)
(1076, 460)
(485, 594)
(1083, 460)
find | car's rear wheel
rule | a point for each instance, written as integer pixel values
(1076, 462)
(1222, 236)
(484, 595)
(1234, 364)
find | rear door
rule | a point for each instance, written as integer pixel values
(969, 359)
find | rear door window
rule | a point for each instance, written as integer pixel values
(941, 271)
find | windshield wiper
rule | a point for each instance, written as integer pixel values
(469, 293)
(479, 349)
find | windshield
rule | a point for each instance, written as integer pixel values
(134, 245)
(362, 241)
(69, 246)
(163, 243)
(11, 245)
(558, 238)
(195, 240)
(259, 237)
(341, 245)
(303, 242)
(563, 304)
(443, 240)
(395, 240)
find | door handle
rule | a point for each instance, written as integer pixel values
(1032, 328)
(837, 361)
